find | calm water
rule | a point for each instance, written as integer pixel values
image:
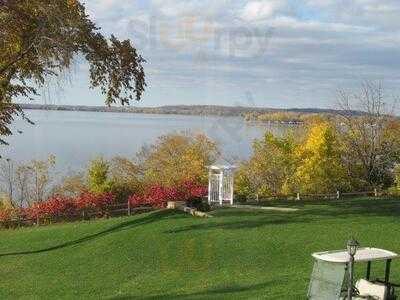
(76, 137)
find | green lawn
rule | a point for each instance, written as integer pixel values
(238, 254)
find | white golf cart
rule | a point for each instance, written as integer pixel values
(329, 279)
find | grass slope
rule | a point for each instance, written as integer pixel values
(238, 254)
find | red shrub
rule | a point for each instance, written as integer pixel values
(137, 200)
(195, 190)
(6, 215)
(57, 206)
(158, 196)
(95, 202)
(52, 208)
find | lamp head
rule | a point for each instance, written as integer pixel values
(352, 246)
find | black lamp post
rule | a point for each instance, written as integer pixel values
(352, 246)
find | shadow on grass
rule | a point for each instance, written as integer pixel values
(238, 224)
(211, 294)
(366, 205)
(150, 218)
(310, 211)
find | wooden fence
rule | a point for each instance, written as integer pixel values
(338, 195)
(125, 208)
(332, 196)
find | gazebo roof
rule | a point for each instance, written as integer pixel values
(222, 164)
(221, 167)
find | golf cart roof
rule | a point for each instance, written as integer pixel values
(362, 254)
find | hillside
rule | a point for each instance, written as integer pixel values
(238, 254)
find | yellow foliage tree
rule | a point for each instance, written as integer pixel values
(5, 202)
(320, 168)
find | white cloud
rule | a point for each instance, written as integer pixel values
(260, 10)
(179, 8)
(328, 27)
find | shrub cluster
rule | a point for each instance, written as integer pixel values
(54, 207)
(57, 206)
(157, 196)
(7, 215)
(97, 203)
(60, 207)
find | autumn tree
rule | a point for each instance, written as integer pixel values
(320, 167)
(7, 178)
(176, 158)
(40, 177)
(268, 172)
(27, 182)
(23, 177)
(126, 178)
(371, 137)
(41, 38)
(5, 203)
(71, 185)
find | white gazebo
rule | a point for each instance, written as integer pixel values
(220, 183)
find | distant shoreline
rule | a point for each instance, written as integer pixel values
(191, 110)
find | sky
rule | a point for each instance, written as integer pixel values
(270, 53)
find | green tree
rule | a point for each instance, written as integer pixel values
(176, 158)
(97, 176)
(41, 38)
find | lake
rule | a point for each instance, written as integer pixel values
(76, 137)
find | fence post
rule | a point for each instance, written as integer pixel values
(298, 197)
(337, 195)
(129, 208)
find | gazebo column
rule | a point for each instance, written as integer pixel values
(209, 185)
(231, 186)
(221, 187)
(220, 184)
